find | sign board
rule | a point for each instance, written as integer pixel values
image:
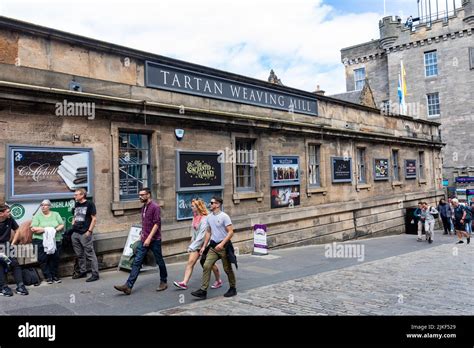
(341, 169)
(285, 196)
(410, 169)
(133, 236)
(445, 182)
(35, 172)
(183, 202)
(381, 169)
(196, 83)
(285, 170)
(260, 239)
(465, 179)
(198, 171)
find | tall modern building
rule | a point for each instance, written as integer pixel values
(433, 55)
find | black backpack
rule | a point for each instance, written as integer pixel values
(30, 276)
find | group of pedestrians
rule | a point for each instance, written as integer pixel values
(47, 228)
(211, 235)
(455, 217)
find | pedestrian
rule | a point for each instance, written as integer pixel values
(469, 213)
(460, 222)
(451, 220)
(8, 228)
(83, 225)
(46, 226)
(409, 23)
(198, 232)
(418, 221)
(150, 239)
(445, 213)
(428, 214)
(219, 233)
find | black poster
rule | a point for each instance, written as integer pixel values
(410, 169)
(341, 169)
(197, 170)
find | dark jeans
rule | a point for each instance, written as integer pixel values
(15, 266)
(48, 263)
(155, 247)
(446, 224)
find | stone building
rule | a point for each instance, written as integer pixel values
(312, 168)
(438, 57)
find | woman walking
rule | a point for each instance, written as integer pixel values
(445, 213)
(198, 228)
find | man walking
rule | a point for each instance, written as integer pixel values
(150, 239)
(220, 233)
(427, 216)
(418, 220)
(460, 222)
(83, 225)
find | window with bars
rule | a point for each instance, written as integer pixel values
(314, 154)
(432, 101)
(421, 161)
(359, 78)
(431, 64)
(361, 173)
(134, 164)
(396, 165)
(245, 163)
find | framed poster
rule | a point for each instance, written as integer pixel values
(285, 196)
(196, 170)
(183, 202)
(285, 170)
(260, 246)
(381, 169)
(36, 172)
(410, 169)
(341, 169)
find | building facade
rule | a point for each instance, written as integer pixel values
(438, 57)
(77, 112)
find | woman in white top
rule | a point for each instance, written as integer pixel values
(198, 229)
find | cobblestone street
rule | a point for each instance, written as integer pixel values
(435, 281)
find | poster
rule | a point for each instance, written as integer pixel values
(381, 169)
(198, 171)
(285, 196)
(341, 169)
(183, 202)
(260, 239)
(285, 170)
(133, 236)
(410, 169)
(47, 172)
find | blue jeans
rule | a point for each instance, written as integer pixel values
(469, 227)
(155, 247)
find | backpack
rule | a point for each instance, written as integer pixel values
(30, 276)
(468, 213)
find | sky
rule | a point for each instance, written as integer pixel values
(299, 39)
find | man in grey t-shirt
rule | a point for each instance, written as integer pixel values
(220, 232)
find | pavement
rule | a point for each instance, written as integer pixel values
(392, 275)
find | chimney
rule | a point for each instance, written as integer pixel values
(319, 91)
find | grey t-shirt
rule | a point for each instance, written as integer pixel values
(218, 223)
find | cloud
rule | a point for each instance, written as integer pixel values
(300, 40)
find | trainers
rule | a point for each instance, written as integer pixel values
(180, 285)
(6, 291)
(57, 280)
(49, 280)
(468, 240)
(163, 286)
(419, 240)
(200, 294)
(430, 240)
(124, 288)
(79, 275)
(92, 278)
(21, 290)
(217, 284)
(231, 292)
(460, 242)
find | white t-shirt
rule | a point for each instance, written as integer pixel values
(218, 223)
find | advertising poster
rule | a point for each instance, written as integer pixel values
(38, 172)
(285, 170)
(410, 169)
(126, 260)
(260, 246)
(285, 196)
(198, 171)
(381, 169)
(183, 202)
(341, 169)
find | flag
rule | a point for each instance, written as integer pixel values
(402, 89)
